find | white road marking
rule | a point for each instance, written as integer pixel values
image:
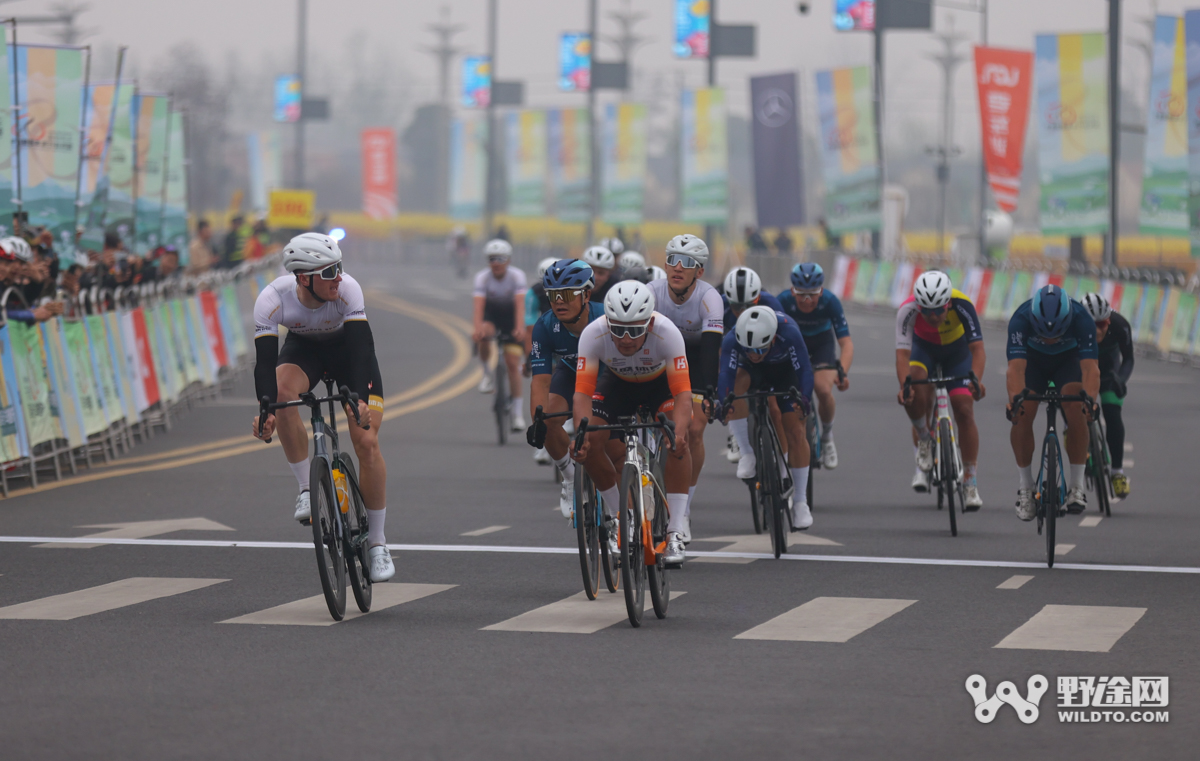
(141, 530)
(1014, 582)
(1127, 463)
(762, 542)
(1128, 446)
(574, 615)
(509, 549)
(827, 619)
(1082, 628)
(1063, 549)
(312, 611)
(482, 531)
(118, 594)
(1091, 521)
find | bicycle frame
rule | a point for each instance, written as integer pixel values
(942, 397)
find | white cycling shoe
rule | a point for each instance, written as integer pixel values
(686, 535)
(486, 385)
(675, 553)
(733, 452)
(829, 459)
(1076, 500)
(303, 509)
(566, 499)
(542, 457)
(1025, 509)
(920, 482)
(382, 567)
(973, 501)
(925, 453)
(747, 465)
(518, 423)
(801, 517)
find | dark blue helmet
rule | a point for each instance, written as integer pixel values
(1051, 311)
(808, 276)
(568, 273)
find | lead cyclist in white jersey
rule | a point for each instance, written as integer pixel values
(327, 333)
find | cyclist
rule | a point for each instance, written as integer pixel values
(741, 290)
(1051, 339)
(613, 244)
(822, 322)
(631, 260)
(536, 305)
(1115, 341)
(647, 366)
(603, 265)
(938, 326)
(327, 333)
(500, 314)
(765, 351)
(698, 311)
(568, 285)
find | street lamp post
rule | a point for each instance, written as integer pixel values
(489, 203)
(301, 35)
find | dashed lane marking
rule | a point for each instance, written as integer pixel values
(1062, 549)
(483, 531)
(1081, 628)
(827, 619)
(312, 611)
(141, 530)
(574, 615)
(87, 602)
(1014, 582)
(1091, 521)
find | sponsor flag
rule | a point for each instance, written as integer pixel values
(570, 161)
(574, 62)
(153, 116)
(526, 163)
(624, 170)
(705, 157)
(468, 167)
(691, 28)
(175, 210)
(1165, 179)
(1191, 22)
(849, 158)
(776, 132)
(379, 173)
(476, 81)
(1004, 78)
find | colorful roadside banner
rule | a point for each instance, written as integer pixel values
(624, 169)
(6, 152)
(574, 62)
(379, 192)
(1005, 79)
(175, 210)
(526, 138)
(1165, 179)
(291, 209)
(153, 113)
(1191, 33)
(118, 209)
(849, 157)
(705, 157)
(570, 162)
(1072, 118)
(691, 28)
(468, 167)
(476, 81)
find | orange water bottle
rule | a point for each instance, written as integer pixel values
(343, 491)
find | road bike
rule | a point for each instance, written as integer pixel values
(643, 511)
(501, 401)
(1050, 488)
(947, 473)
(772, 483)
(338, 512)
(812, 429)
(1099, 467)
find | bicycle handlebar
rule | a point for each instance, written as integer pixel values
(1051, 396)
(941, 382)
(308, 399)
(536, 436)
(792, 393)
(628, 425)
(835, 366)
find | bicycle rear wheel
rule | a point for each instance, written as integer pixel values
(501, 405)
(1050, 497)
(633, 558)
(326, 525)
(1098, 470)
(358, 560)
(946, 473)
(659, 579)
(587, 532)
(770, 490)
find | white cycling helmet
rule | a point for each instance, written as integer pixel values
(498, 247)
(1097, 306)
(631, 260)
(599, 257)
(657, 273)
(630, 302)
(933, 290)
(756, 327)
(18, 248)
(544, 265)
(612, 244)
(689, 245)
(742, 286)
(310, 252)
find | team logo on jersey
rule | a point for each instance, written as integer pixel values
(581, 364)
(681, 363)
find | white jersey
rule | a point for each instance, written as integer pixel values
(278, 305)
(663, 352)
(505, 288)
(703, 312)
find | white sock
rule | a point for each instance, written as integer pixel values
(741, 432)
(677, 505)
(612, 500)
(1119, 471)
(516, 406)
(1026, 477)
(375, 519)
(562, 462)
(301, 470)
(800, 485)
(826, 432)
(921, 426)
(691, 495)
(1077, 475)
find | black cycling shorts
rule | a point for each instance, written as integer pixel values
(318, 358)
(778, 376)
(503, 314)
(1041, 369)
(616, 398)
(822, 348)
(562, 383)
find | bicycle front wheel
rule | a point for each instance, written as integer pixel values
(1050, 498)
(947, 473)
(358, 560)
(633, 557)
(659, 579)
(1098, 470)
(770, 490)
(326, 527)
(587, 532)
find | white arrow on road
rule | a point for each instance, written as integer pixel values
(142, 530)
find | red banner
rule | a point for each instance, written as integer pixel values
(212, 327)
(379, 173)
(149, 377)
(1005, 78)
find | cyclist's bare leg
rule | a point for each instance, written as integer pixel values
(556, 438)
(696, 442)
(484, 344)
(798, 453)
(1077, 426)
(514, 360)
(372, 470)
(293, 435)
(823, 381)
(918, 405)
(963, 407)
(599, 463)
(777, 419)
(1022, 434)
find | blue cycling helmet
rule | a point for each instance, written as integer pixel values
(1051, 311)
(808, 276)
(568, 273)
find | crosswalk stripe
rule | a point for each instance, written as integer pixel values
(118, 594)
(1014, 582)
(312, 611)
(1081, 628)
(827, 619)
(574, 615)
(1062, 549)
(486, 530)
(1090, 521)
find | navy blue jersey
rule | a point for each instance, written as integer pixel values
(764, 300)
(828, 315)
(788, 347)
(552, 339)
(1081, 335)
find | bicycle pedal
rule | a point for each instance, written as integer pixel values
(306, 522)
(672, 566)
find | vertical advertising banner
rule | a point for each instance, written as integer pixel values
(153, 112)
(624, 169)
(1165, 179)
(6, 130)
(287, 98)
(50, 108)
(118, 212)
(1191, 22)
(776, 136)
(853, 15)
(849, 158)
(570, 162)
(379, 173)
(526, 137)
(476, 81)
(691, 28)
(94, 187)
(468, 167)
(1072, 118)
(574, 62)
(1005, 78)
(705, 157)
(175, 210)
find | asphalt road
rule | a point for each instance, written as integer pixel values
(857, 646)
